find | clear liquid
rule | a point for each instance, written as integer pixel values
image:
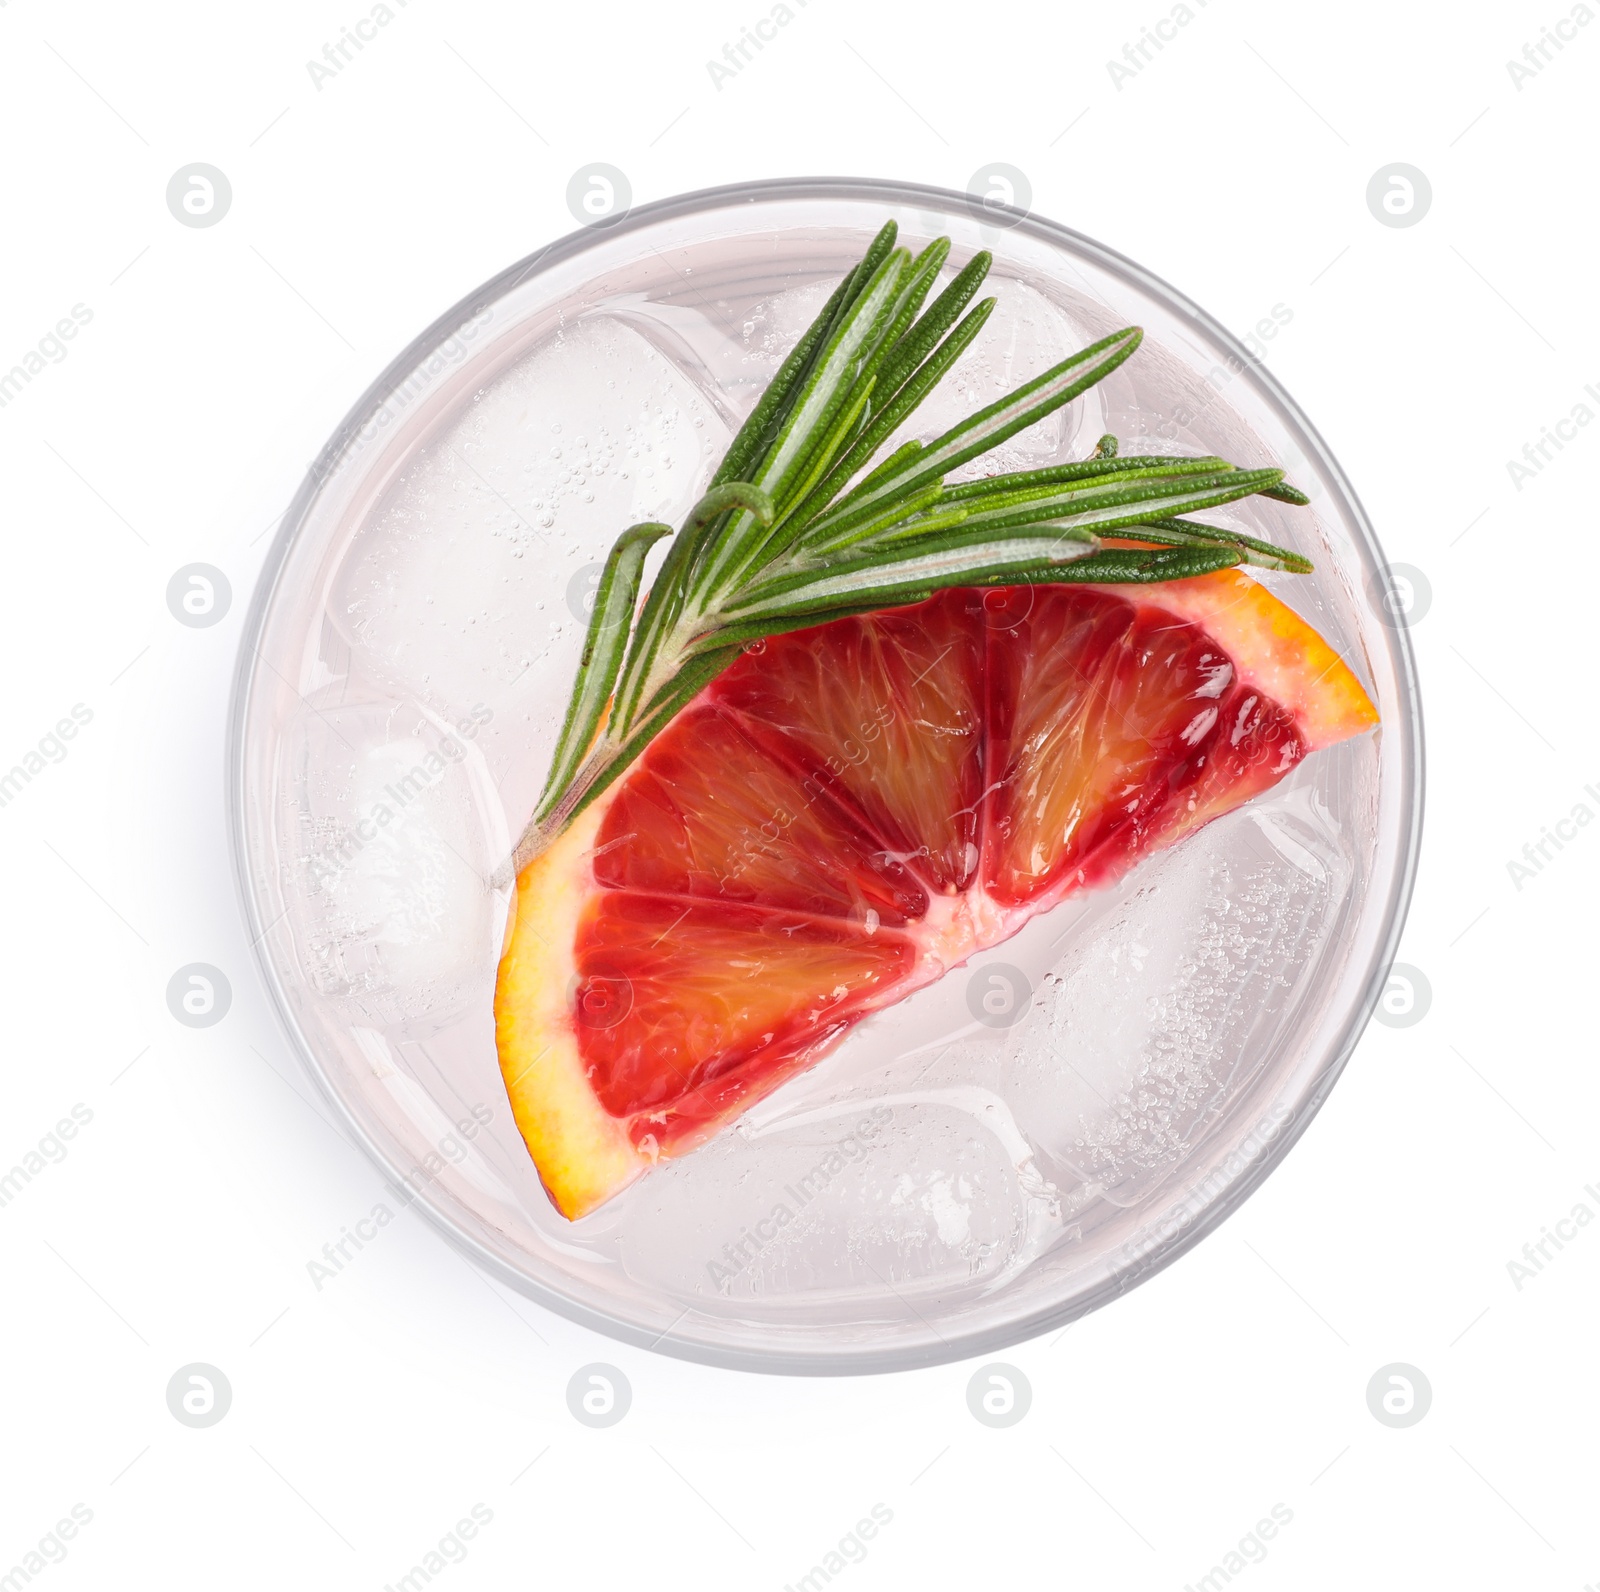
(930, 1157)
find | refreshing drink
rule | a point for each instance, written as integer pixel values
(1005, 1145)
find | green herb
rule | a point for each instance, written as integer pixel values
(800, 526)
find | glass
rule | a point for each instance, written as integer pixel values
(953, 1187)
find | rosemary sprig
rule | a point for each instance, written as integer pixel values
(800, 526)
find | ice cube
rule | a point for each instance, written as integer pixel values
(465, 586)
(1124, 1066)
(398, 832)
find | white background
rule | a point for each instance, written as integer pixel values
(369, 1417)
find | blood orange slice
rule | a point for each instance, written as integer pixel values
(850, 811)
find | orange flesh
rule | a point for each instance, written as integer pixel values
(849, 811)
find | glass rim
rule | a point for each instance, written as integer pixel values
(874, 1359)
